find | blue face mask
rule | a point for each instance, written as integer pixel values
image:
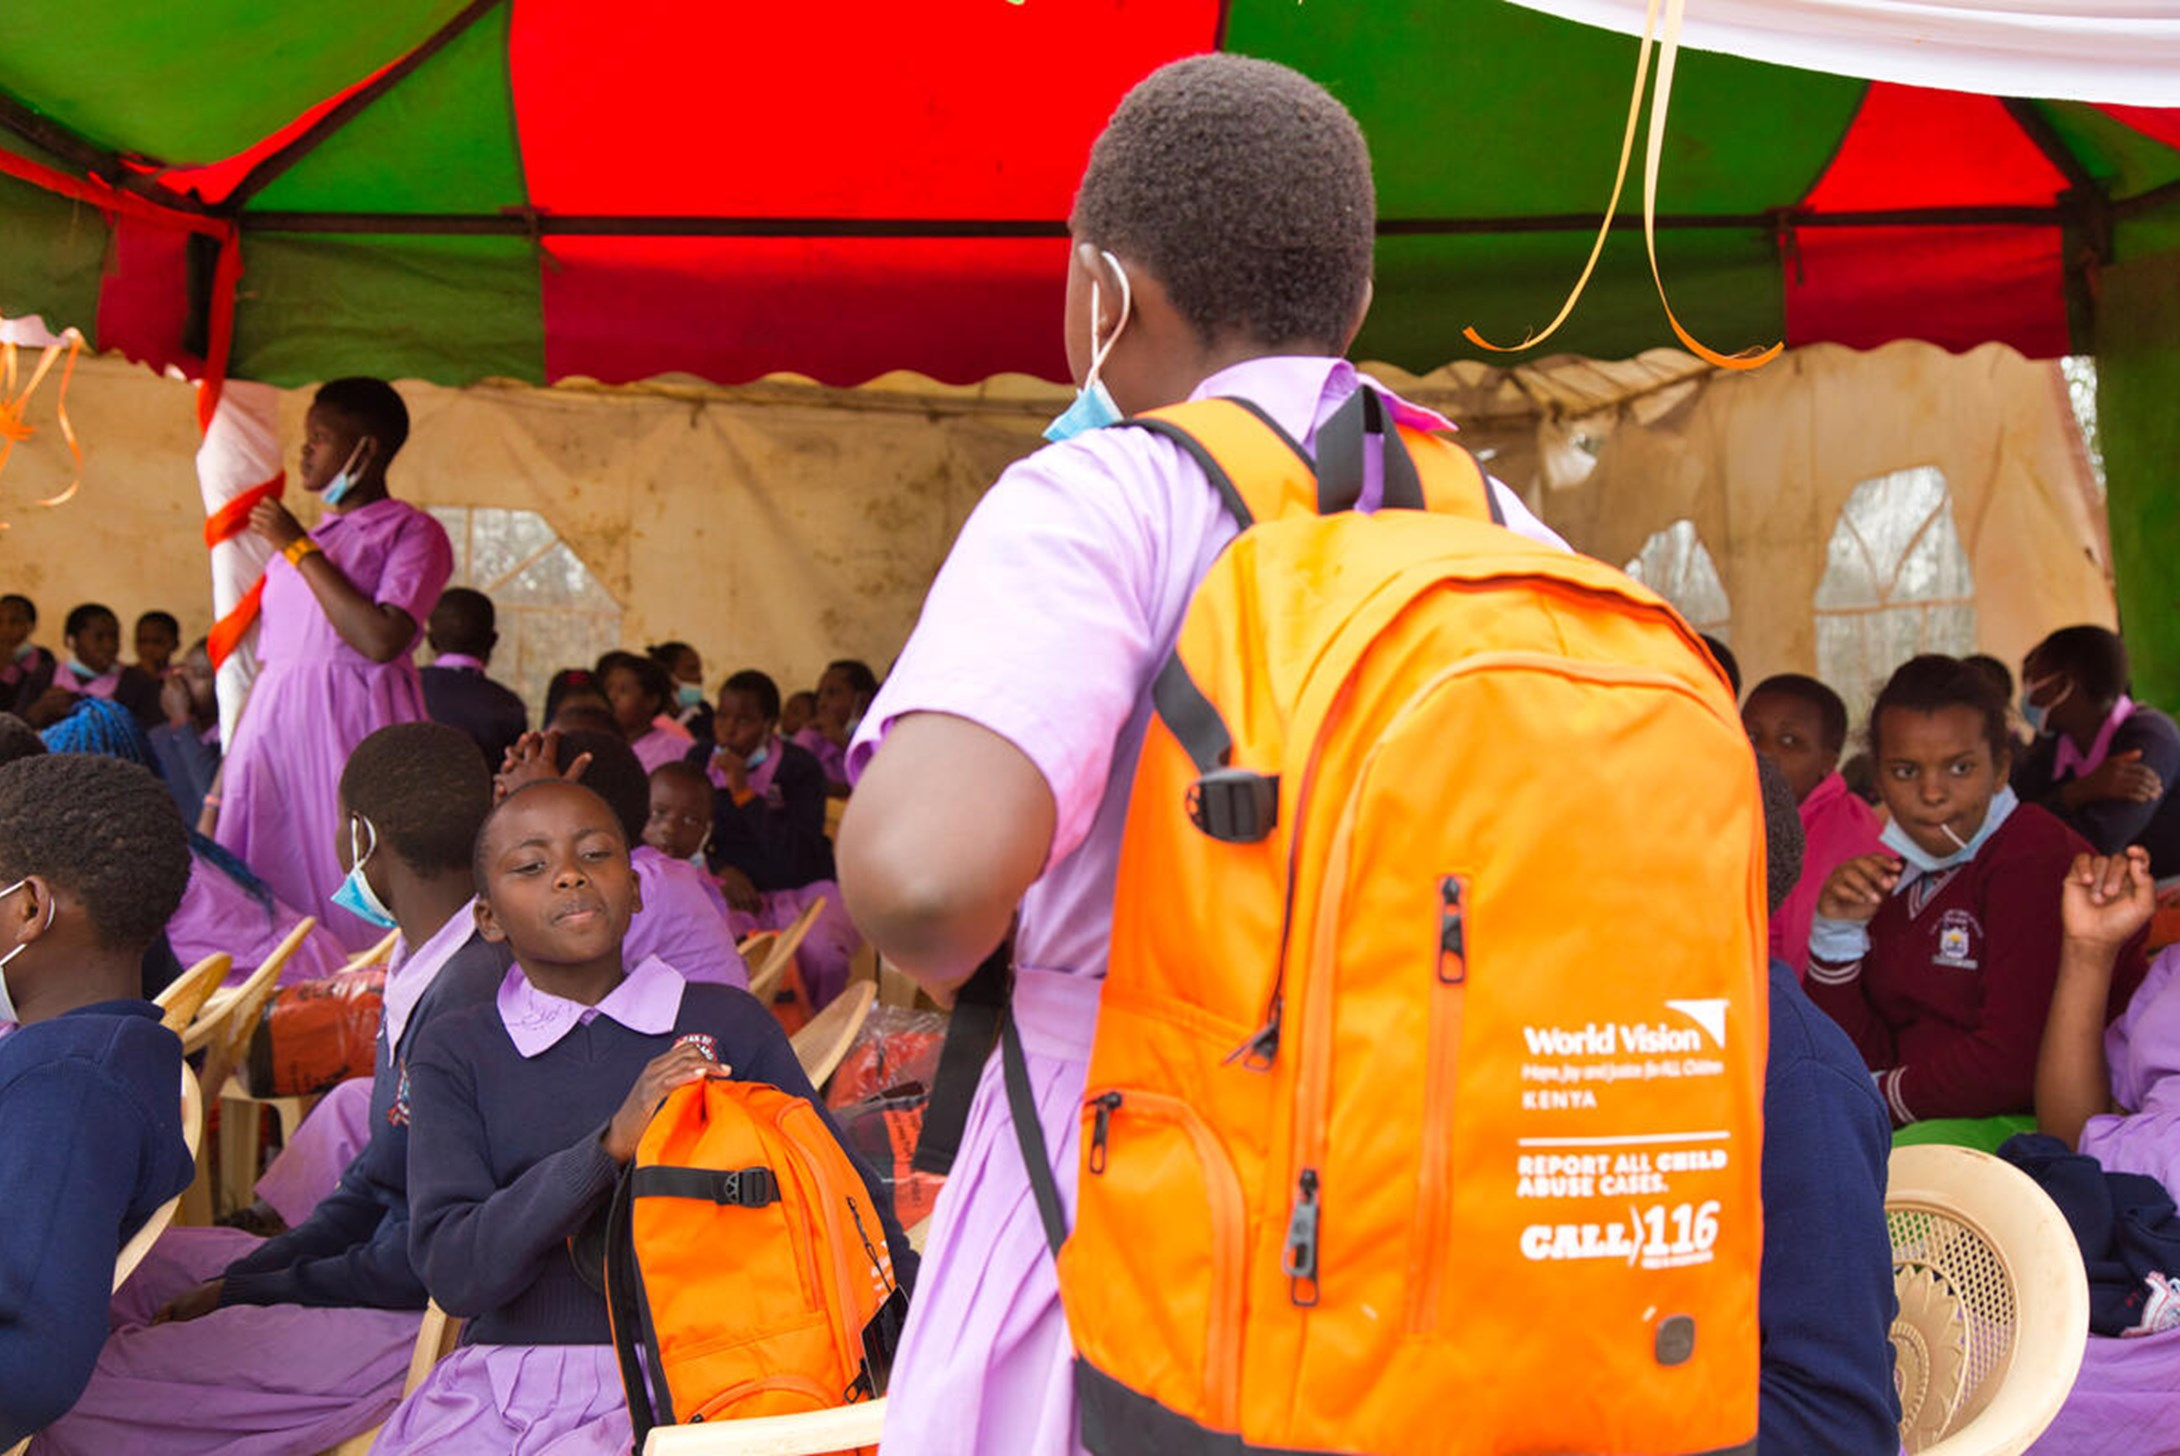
(1094, 408)
(355, 894)
(1896, 839)
(344, 480)
(2039, 719)
(689, 695)
(759, 756)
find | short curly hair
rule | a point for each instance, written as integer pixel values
(615, 775)
(1931, 684)
(1245, 188)
(425, 791)
(1830, 708)
(760, 686)
(105, 832)
(18, 739)
(373, 406)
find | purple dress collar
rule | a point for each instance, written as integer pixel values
(647, 1000)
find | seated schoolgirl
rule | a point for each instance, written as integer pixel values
(679, 922)
(574, 689)
(226, 908)
(522, 1115)
(94, 669)
(680, 826)
(768, 843)
(1937, 954)
(2113, 1093)
(796, 713)
(299, 1342)
(1801, 725)
(185, 748)
(26, 669)
(844, 694)
(158, 638)
(642, 696)
(2102, 762)
(691, 707)
(92, 861)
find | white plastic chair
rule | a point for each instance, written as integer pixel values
(819, 1433)
(821, 1044)
(1994, 1302)
(766, 976)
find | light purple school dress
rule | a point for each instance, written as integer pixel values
(312, 1161)
(678, 922)
(2126, 1399)
(217, 914)
(665, 741)
(316, 698)
(828, 951)
(536, 1400)
(253, 1380)
(1105, 536)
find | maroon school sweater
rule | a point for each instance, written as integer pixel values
(1949, 1003)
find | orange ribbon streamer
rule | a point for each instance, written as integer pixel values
(15, 426)
(1668, 53)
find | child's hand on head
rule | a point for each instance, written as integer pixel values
(2105, 899)
(534, 759)
(1857, 889)
(685, 1063)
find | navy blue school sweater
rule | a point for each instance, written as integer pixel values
(353, 1250)
(2112, 825)
(1824, 1298)
(90, 1146)
(777, 839)
(506, 1162)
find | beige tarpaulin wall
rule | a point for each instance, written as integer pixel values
(782, 525)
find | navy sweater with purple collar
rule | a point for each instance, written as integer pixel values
(91, 1107)
(506, 1162)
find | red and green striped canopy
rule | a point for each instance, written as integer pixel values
(544, 188)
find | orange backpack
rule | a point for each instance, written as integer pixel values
(1424, 1112)
(744, 1257)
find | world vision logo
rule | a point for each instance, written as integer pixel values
(1638, 1038)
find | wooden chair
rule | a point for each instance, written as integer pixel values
(820, 1045)
(181, 1001)
(918, 1232)
(766, 976)
(1994, 1302)
(818, 1433)
(435, 1340)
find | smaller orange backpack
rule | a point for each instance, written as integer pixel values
(745, 1260)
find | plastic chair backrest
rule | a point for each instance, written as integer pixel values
(781, 952)
(435, 1340)
(821, 1043)
(377, 955)
(223, 1029)
(1994, 1302)
(817, 1433)
(185, 997)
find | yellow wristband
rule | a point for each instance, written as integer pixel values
(299, 548)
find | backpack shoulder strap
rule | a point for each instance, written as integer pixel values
(1256, 467)
(1421, 471)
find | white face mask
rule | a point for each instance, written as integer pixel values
(1094, 408)
(7, 1002)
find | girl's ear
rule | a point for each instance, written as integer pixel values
(488, 924)
(1113, 294)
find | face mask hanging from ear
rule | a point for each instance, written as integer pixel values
(7, 1002)
(2039, 719)
(1093, 408)
(345, 480)
(355, 894)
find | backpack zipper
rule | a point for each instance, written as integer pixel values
(830, 1199)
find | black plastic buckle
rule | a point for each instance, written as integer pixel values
(1235, 805)
(746, 1188)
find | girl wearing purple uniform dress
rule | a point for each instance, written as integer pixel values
(1222, 241)
(344, 604)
